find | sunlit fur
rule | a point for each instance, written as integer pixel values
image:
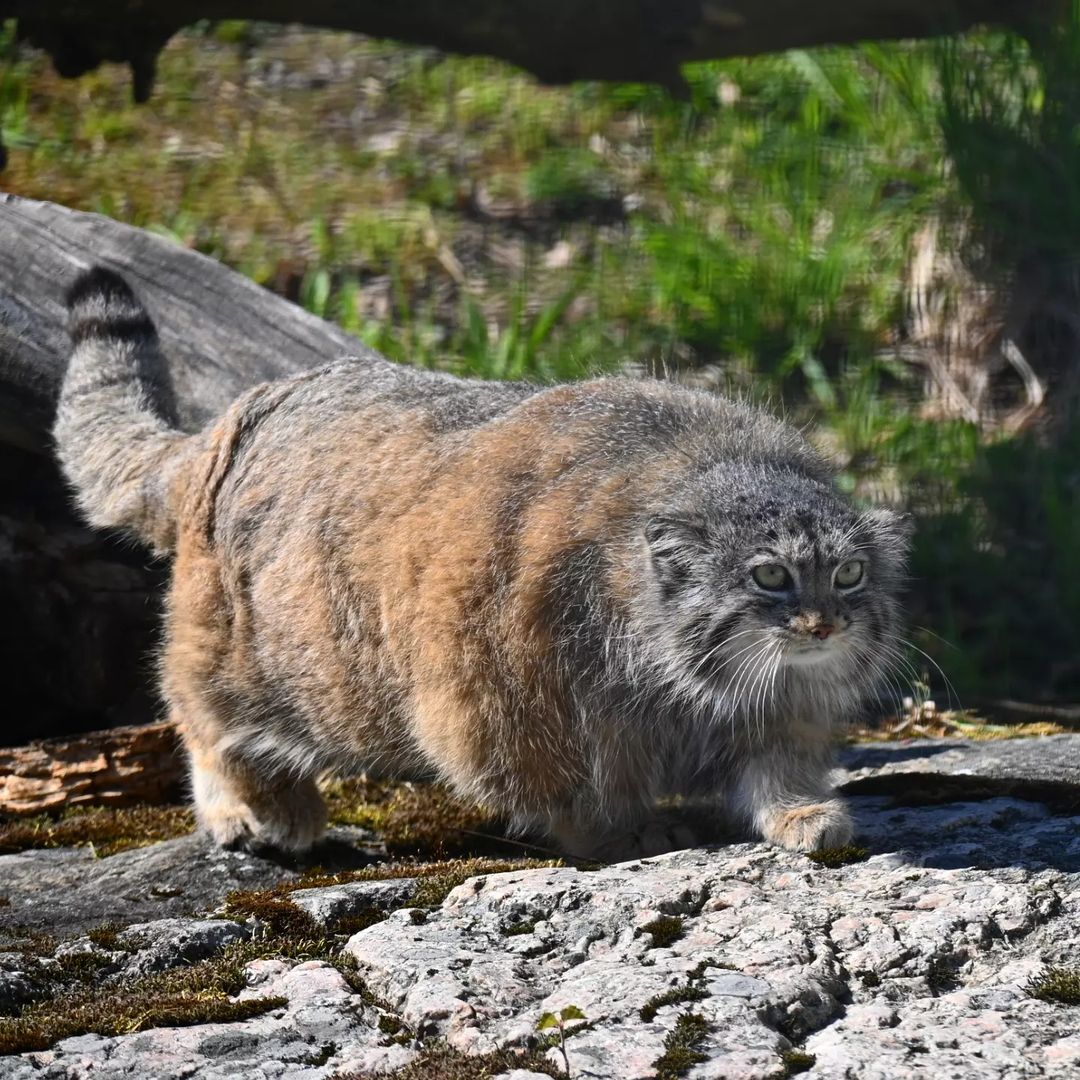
(542, 596)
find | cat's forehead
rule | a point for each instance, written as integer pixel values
(806, 534)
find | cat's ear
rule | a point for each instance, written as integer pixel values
(676, 546)
(889, 527)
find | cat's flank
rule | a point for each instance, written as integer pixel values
(565, 601)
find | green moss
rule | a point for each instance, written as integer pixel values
(665, 931)
(106, 936)
(437, 874)
(425, 820)
(440, 1062)
(280, 915)
(83, 966)
(1059, 984)
(941, 977)
(797, 1061)
(838, 856)
(107, 830)
(677, 995)
(198, 994)
(520, 929)
(682, 1047)
(30, 941)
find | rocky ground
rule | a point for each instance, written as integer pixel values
(948, 946)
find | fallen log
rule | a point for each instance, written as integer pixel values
(558, 40)
(220, 332)
(78, 609)
(104, 768)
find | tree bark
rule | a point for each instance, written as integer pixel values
(105, 768)
(558, 40)
(79, 624)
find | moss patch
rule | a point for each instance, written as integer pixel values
(107, 830)
(797, 1061)
(677, 995)
(199, 994)
(106, 936)
(682, 1047)
(838, 856)
(280, 915)
(29, 941)
(83, 966)
(424, 820)
(520, 929)
(440, 1062)
(665, 931)
(435, 879)
(1059, 984)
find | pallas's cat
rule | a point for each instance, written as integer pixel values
(564, 601)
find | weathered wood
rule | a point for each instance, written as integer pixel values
(103, 768)
(220, 332)
(79, 607)
(558, 40)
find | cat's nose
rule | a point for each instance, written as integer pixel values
(822, 630)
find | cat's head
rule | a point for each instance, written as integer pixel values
(761, 572)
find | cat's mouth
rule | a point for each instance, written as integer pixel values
(810, 651)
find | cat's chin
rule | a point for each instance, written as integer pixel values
(811, 656)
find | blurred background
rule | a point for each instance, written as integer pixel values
(882, 243)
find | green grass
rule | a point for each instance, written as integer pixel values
(1058, 984)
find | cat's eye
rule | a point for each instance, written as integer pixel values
(771, 576)
(849, 574)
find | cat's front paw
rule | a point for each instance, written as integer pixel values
(289, 819)
(809, 826)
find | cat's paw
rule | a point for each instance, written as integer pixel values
(291, 819)
(809, 826)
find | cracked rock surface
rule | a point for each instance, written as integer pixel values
(737, 962)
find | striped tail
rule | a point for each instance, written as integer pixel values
(116, 448)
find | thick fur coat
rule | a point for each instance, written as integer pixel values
(549, 597)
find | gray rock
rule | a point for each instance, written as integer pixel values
(17, 985)
(68, 891)
(1052, 757)
(331, 905)
(323, 1025)
(915, 962)
(168, 943)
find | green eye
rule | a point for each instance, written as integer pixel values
(771, 576)
(849, 574)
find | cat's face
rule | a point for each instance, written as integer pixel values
(758, 583)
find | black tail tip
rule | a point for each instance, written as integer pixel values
(100, 283)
